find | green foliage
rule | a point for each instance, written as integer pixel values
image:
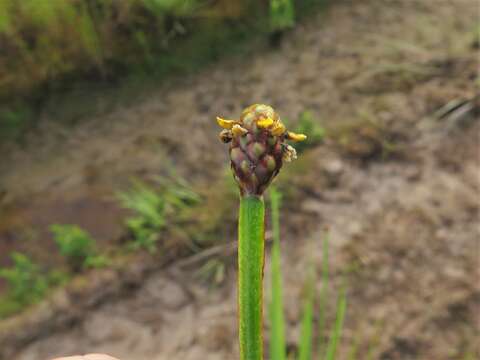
(178, 195)
(47, 40)
(26, 283)
(213, 272)
(353, 352)
(307, 124)
(327, 349)
(77, 246)
(9, 306)
(337, 330)
(374, 340)
(152, 208)
(175, 7)
(149, 219)
(277, 317)
(207, 222)
(469, 355)
(282, 14)
(96, 261)
(323, 294)
(13, 120)
(51, 46)
(306, 335)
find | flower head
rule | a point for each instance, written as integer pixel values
(257, 147)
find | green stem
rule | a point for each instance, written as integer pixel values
(250, 276)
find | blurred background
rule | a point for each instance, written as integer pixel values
(118, 211)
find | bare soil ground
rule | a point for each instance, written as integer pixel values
(396, 183)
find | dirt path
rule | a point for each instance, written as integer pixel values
(397, 186)
(416, 264)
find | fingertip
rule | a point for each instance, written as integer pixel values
(88, 357)
(98, 357)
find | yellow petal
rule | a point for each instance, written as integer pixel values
(265, 123)
(278, 129)
(237, 130)
(296, 137)
(226, 124)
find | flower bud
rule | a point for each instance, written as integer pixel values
(257, 147)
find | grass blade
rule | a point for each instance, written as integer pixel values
(277, 319)
(337, 331)
(323, 297)
(352, 353)
(282, 14)
(305, 347)
(375, 340)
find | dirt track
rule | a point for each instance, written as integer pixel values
(400, 194)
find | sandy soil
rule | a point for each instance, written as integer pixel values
(396, 183)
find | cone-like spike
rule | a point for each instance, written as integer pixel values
(295, 137)
(257, 147)
(226, 124)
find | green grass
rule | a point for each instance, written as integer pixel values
(61, 56)
(337, 330)
(25, 280)
(152, 209)
(148, 208)
(323, 296)
(50, 47)
(277, 318)
(77, 246)
(327, 345)
(282, 14)
(307, 124)
(27, 284)
(305, 348)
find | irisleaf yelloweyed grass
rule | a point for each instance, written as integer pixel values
(258, 149)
